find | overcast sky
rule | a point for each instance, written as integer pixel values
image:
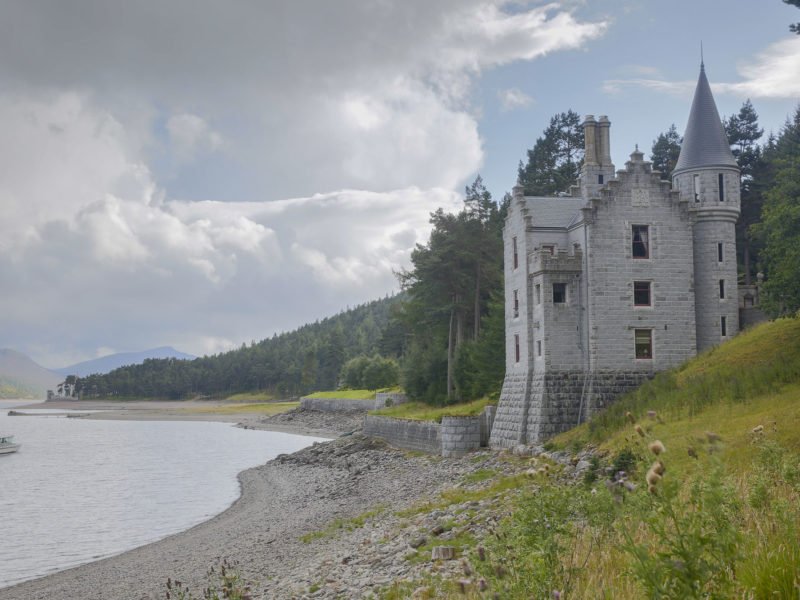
(202, 173)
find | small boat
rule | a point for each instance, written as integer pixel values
(7, 445)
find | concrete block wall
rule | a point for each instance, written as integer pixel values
(423, 436)
(459, 435)
(384, 399)
(336, 404)
(509, 421)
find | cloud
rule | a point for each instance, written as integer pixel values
(190, 135)
(513, 98)
(162, 187)
(772, 74)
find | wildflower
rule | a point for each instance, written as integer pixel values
(653, 478)
(656, 447)
(556, 595)
(639, 430)
(630, 418)
(658, 467)
(481, 553)
(629, 485)
(652, 414)
(758, 429)
(482, 585)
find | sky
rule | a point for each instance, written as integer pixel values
(203, 174)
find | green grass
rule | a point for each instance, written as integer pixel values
(264, 408)
(251, 397)
(417, 411)
(340, 524)
(345, 394)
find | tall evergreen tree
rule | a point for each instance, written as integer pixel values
(743, 134)
(665, 151)
(555, 159)
(780, 226)
(794, 27)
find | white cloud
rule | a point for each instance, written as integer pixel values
(513, 98)
(190, 135)
(296, 103)
(773, 74)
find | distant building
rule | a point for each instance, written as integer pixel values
(626, 276)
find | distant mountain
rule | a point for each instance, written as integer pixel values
(21, 377)
(106, 364)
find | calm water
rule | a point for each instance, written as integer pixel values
(79, 490)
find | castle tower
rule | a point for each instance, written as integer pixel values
(707, 175)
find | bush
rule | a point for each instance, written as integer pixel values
(370, 373)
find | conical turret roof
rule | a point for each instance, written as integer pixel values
(704, 143)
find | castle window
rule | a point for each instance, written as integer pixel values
(559, 293)
(643, 341)
(722, 289)
(516, 303)
(720, 254)
(516, 347)
(538, 294)
(538, 347)
(600, 179)
(514, 248)
(721, 181)
(696, 186)
(549, 248)
(723, 326)
(641, 293)
(640, 247)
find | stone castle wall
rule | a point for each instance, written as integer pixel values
(336, 404)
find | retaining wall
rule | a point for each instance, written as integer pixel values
(336, 404)
(384, 399)
(423, 436)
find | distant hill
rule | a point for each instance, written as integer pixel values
(106, 364)
(21, 377)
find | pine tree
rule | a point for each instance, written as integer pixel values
(743, 134)
(555, 159)
(794, 27)
(665, 151)
(780, 226)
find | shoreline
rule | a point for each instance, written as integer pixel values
(279, 502)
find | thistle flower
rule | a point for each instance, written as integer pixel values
(639, 430)
(651, 489)
(653, 478)
(656, 447)
(482, 585)
(758, 429)
(481, 553)
(630, 418)
(658, 467)
(692, 452)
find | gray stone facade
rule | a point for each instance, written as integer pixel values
(626, 276)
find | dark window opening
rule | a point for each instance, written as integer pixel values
(720, 254)
(539, 347)
(516, 347)
(723, 326)
(600, 179)
(550, 249)
(643, 340)
(516, 303)
(722, 289)
(641, 293)
(538, 294)
(516, 256)
(559, 293)
(696, 187)
(641, 242)
(721, 181)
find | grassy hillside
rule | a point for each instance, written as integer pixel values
(21, 377)
(688, 488)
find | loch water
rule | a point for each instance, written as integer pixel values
(79, 490)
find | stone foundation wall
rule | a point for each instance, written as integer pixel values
(336, 404)
(384, 399)
(558, 401)
(508, 429)
(423, 436)
(459, 435)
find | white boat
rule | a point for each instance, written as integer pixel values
(7, 445)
